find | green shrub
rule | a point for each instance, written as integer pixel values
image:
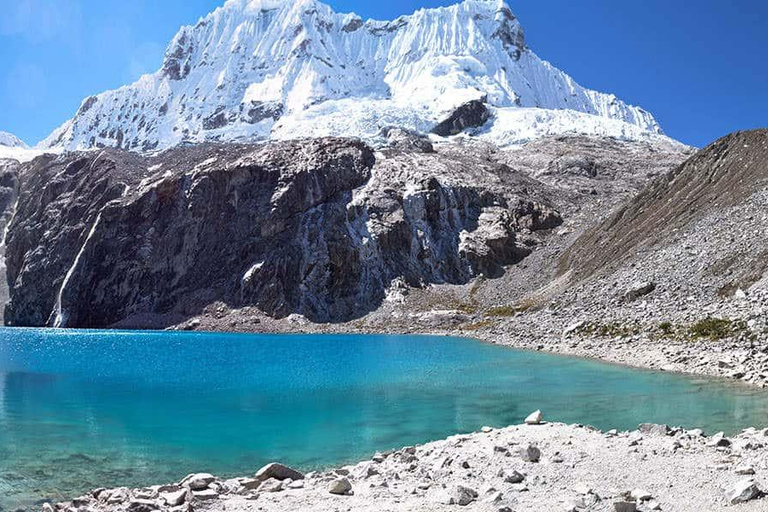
(666, 328)
(713, 328)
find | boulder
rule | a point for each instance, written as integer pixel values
(279, 472)
(743, 491)
(639, 289)
(625, 506)
(472, 114)
(340, 486)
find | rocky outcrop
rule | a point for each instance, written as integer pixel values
(470, 115)
(318, 227)
(9, 188)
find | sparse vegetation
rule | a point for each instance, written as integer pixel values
(666, 328)
(609, 330)
(477, 326)
(512, 309)
(715, 328)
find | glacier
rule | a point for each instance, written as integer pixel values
(279, 69)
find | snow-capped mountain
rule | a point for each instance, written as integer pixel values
(9, 140)
(277, 69)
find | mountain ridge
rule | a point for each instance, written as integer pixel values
(257, 70)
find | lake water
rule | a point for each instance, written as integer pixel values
(87, 409)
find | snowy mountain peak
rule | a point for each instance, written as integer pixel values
(275, 69)
(9, 140)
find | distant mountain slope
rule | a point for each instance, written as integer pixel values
(9, 140)
(276, 69)
(700, 229)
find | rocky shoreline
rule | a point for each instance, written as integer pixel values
(535, 466)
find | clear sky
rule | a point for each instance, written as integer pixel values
(698, 66)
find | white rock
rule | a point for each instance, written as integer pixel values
(534, 418)
(198, 481)
(340, 486)
(175, 498)
(641, 495)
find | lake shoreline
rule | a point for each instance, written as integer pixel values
(524, 467)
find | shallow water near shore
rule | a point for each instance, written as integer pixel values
(87, 409)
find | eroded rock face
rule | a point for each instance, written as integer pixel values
(9, 189)
(472, 114)
(318, 227)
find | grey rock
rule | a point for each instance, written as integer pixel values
(625, 506)
(743, 491)
(530, 453)
(654, 429)
(340, 486)
(142, 506)
(205, 495)
(278, 471)
(470, 115)
(463, 495)
(271, 485)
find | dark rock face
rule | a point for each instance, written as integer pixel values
(470, 115)
(313, 227)
(9, 189)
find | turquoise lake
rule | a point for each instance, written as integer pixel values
(87, 409)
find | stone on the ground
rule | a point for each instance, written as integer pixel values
(198, 481)
(654, 429)
(515, 477)
(47, 507)
(530, 453)
(745, 469)
(205, 495)
(534, 418)
(574, 327)
(340, 486)
(641, 495)
(463, 496)
(271, 485)
(249, 484)
(175, 498)
(625, 506)
(639, 289)
(582, 489)
(743, 491)
(278, 471)
(138, 505)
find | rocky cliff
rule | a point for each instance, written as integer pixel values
(318, 227)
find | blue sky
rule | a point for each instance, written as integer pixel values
(698, 66)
